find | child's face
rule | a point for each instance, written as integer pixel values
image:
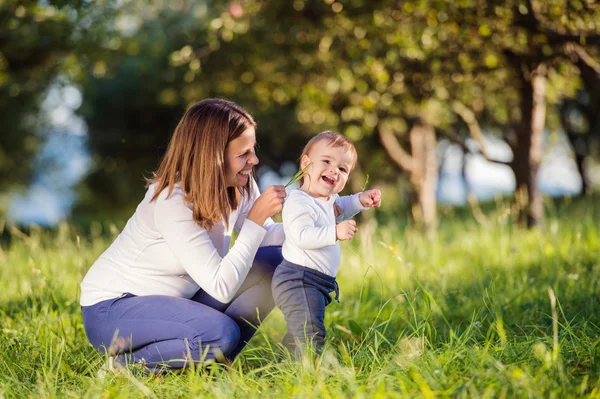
(329, 171)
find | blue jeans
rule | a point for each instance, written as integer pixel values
(302, 294)
(167, 331)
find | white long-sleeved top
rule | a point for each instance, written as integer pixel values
(162, 251)
(309, 225)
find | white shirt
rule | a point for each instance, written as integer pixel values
(309, 225)
(162, 251)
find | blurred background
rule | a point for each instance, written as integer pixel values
(448, 102)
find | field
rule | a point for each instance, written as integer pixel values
(482, 309)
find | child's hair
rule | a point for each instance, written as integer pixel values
(335, 140)
(195, 158)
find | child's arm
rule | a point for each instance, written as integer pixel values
(299, 219)
(350, 205)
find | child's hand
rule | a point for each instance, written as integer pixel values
(345, 230)
(370, 198)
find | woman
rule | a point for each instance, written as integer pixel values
(169, 290)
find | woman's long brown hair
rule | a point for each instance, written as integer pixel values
(195, 158)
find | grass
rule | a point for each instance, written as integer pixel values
(481, 310)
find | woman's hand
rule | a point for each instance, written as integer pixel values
(268, 204)
(345, 230)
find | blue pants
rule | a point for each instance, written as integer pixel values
(302, 294)
(165, 331)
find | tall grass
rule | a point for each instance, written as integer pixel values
(481, 310)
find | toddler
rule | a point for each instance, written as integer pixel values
(302, 283)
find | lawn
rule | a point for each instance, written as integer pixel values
(483, 309)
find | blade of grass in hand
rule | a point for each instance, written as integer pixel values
(298, 175)
(364, 187)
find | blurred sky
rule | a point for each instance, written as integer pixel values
(65, 159)
(59, 165)
(558, 175)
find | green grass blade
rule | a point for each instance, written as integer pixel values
(298, 175)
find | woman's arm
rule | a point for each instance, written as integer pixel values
(274, 231)
(220, 277)
(275, 234)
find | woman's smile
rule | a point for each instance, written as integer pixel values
(240, 156)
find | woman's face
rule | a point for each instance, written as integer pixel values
(240, 159)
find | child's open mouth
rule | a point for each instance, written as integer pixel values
(328, 180)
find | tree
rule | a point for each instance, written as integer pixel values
(391, 76)
(580, 116)
(141, 83)
(526, 56)
(549, 29)
(402, 72)
(39, 42)
(359, 70)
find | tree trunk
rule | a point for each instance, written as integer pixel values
(590, 75)
(528, 151)
(585, 183)
(424, 175)
(581, 151)
(421, 166)
(579, 140)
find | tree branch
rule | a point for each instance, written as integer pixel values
(467, 150)
(579, 55)
(394, 149)
(561, 35)
(469, 118)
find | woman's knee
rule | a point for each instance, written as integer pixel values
(229, 335)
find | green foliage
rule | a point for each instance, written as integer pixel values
(299, 67)
(38, 43)
(466, 314)
(176, 55)
(365, 62)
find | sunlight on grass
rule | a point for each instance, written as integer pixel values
(481, 310)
